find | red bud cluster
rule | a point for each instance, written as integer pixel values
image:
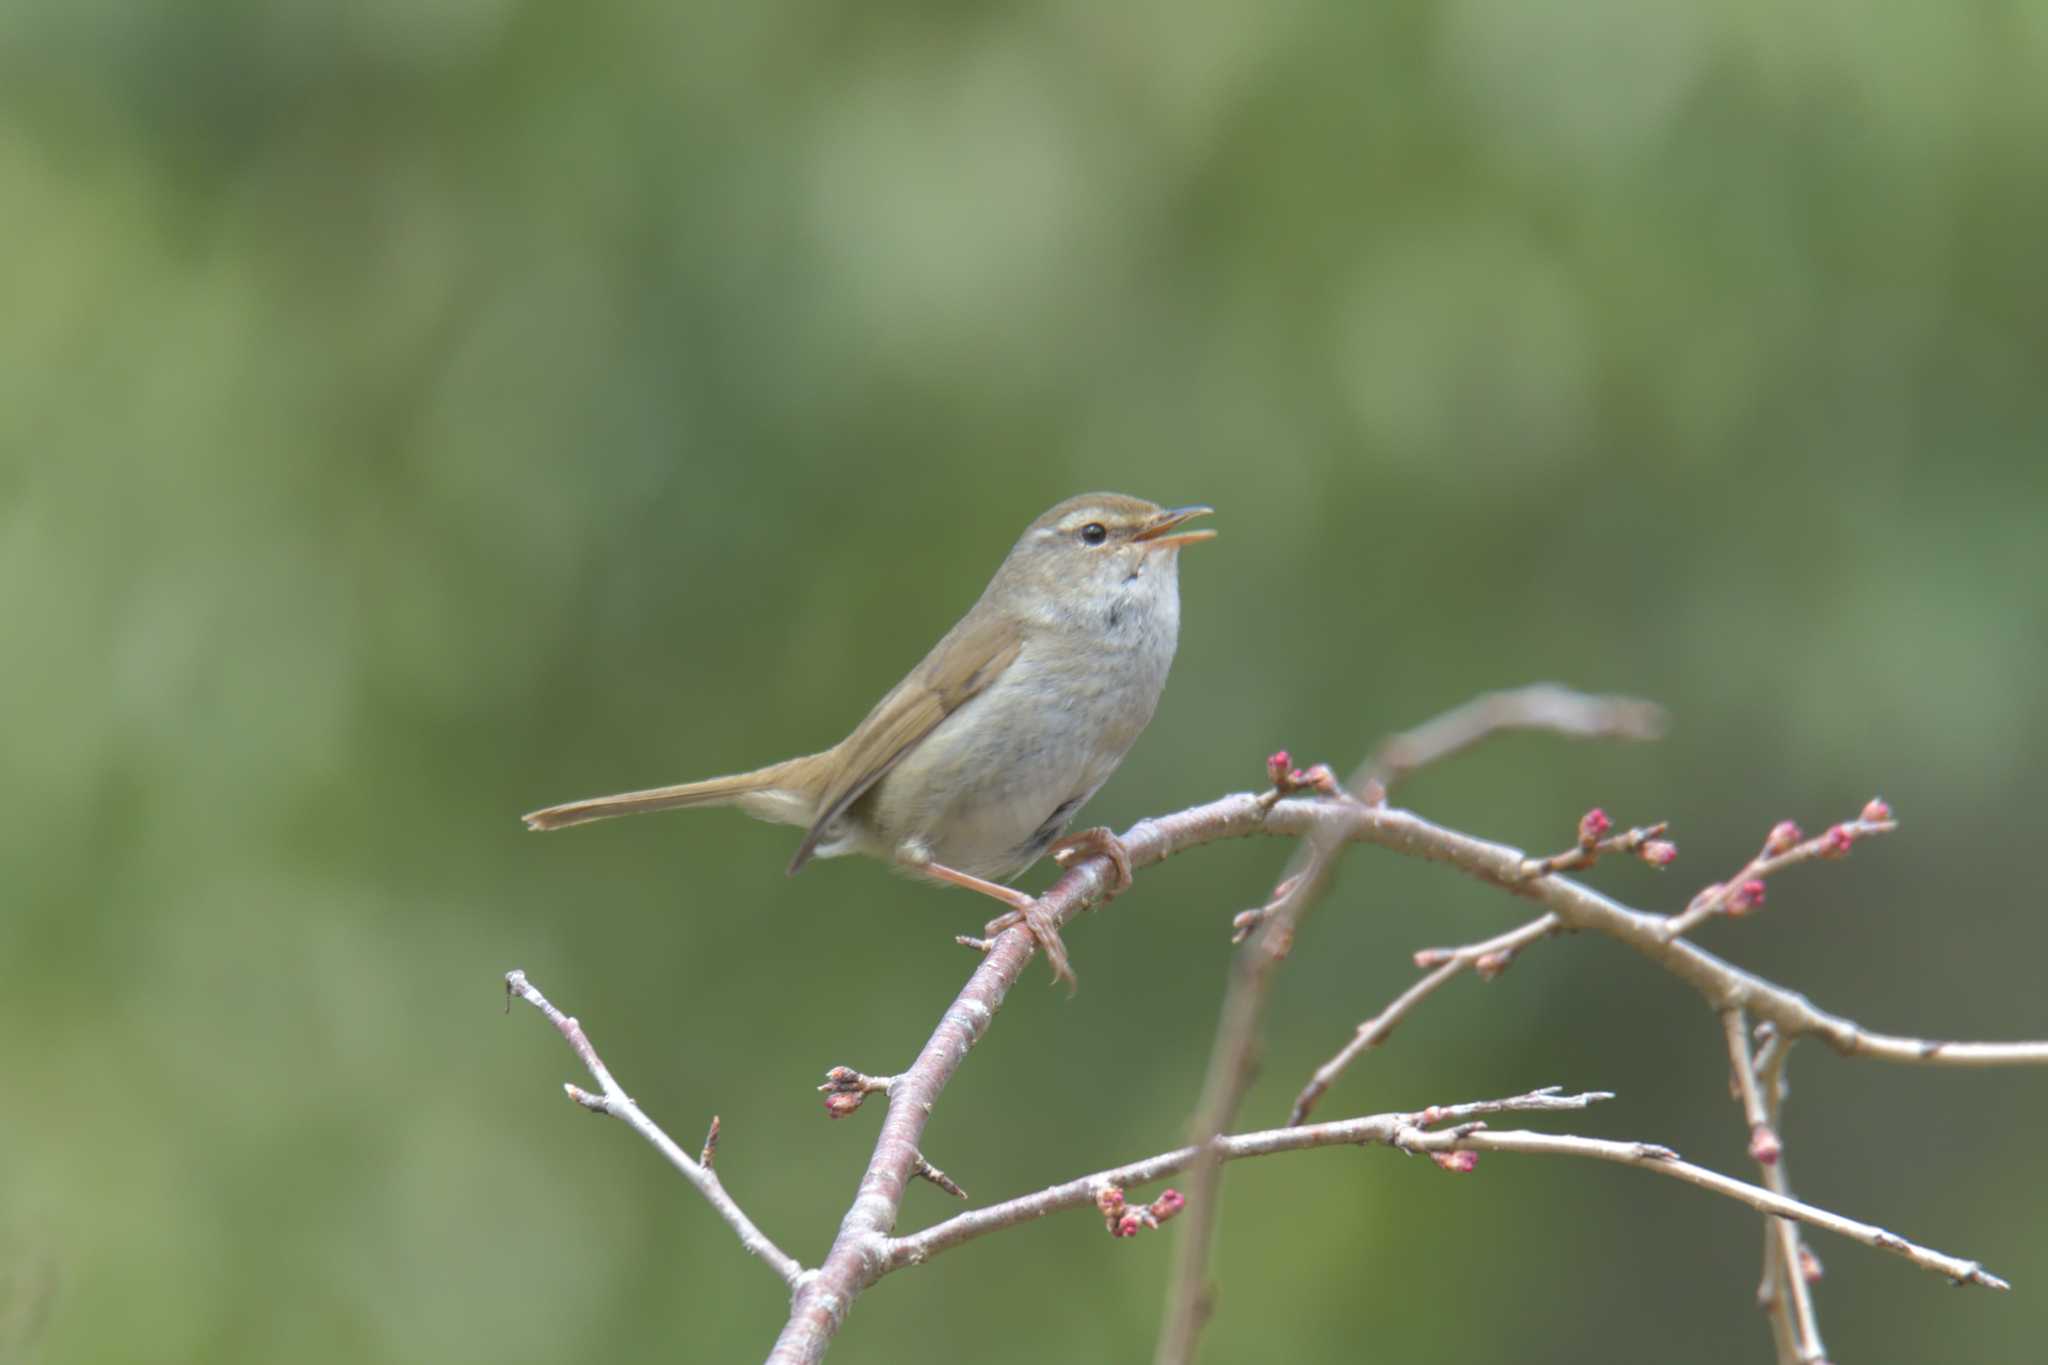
(1125, 1220)
(1746, 897)
(1593, 827)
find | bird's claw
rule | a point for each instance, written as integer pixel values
(1043, 928)
(1089, 843)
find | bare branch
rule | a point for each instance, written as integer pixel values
(1643, 841)
(1790, 1302)
(1416, 1133)
(1490, 957)
(1650, 1157)
(1580, 907)
(616, 1102)
(1543, 706)
(1744, 892)
(857, 1257)
(965, 1227)
(1540, 706)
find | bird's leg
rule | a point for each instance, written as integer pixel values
(1022, 907)
(1089, 843)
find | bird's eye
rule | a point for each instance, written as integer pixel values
(1094, 533)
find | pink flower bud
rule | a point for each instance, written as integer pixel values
(1128, 1225)
(1764, 1148)
(1837, 842)
(841, 1103)
(1169, 1202)
(1784, 835)
(1110, 1200)
(1658, 852)
(1458, 1163)
(1746, 898)
(1277, 767)
(1490, 965)
(1877, 811)
(1593, 827)
(1809, 1264)
(1432, 957)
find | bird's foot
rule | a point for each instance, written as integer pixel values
(1024, 910)
(1089, 843)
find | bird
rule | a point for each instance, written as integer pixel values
(971, 768)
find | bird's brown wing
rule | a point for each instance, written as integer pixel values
(973, 655)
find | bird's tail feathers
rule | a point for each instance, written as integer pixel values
(766, 793)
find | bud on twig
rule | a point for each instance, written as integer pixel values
(1658, 853)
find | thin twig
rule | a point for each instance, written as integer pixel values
(1580, 907)
(924, 1170)
(1744, 890)
(616, 1102)
(1794, 1299)
(1590, 851)
(1448, 963)
(1232, 1058)
(1539, 706)
(1414, 1132)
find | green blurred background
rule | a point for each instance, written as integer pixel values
(415, 411)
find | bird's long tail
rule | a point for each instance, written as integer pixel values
(766, 793)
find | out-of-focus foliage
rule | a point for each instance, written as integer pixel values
(414, 412)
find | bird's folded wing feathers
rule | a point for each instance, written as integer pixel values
(971, 657)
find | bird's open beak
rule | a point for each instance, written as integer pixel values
(1154, 533)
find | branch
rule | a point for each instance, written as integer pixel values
(1783, 848)
(1417, 1132)
(1232, 1059)
(1490, 957)
(1794, 1326)
(1579, 907)
(1540, 706)
(616, 1102)
(851, 1265)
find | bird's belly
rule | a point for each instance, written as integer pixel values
(999, 780)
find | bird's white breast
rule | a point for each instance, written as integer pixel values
(1001, 777)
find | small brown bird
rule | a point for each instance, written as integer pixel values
(971, 768)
